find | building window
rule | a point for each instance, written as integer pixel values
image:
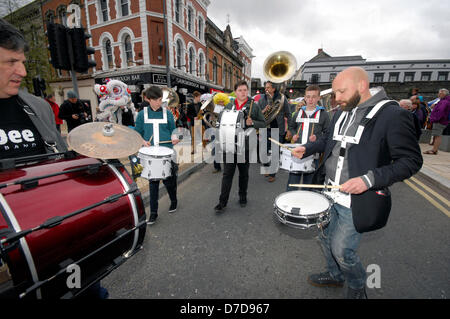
(200, 28)
(177, 10)
(425, 76)
(409, 77)
(378, 77)
(62, 16)
(124, 7)
(214, 70)
(179, 54)
(191, 61)
(332, 76)
(442, 76)
(393, 77)
(128, 49)
(224, 74)
(50, 16)
(104, 9)
(109, 56)
(190, 20)
(315, 78)
(201, 61)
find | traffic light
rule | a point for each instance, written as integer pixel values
(81, 52)
(58, 46)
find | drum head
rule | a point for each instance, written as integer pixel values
(156, 151)
(308, 202)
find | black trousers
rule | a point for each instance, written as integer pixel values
(227, 180)
(171, 186)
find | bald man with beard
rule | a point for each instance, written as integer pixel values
(371, 145)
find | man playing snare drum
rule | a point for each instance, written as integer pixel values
(306, 125)
(146, 123)
(254, 119)
(371, 144)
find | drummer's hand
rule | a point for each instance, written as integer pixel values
(288, 135)
(298, 151)
(147, 143)
(75, 116)
(249, 121)
(312, 138)
(175, 141)
(295, 138)
(354, 185)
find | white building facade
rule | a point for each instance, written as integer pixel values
(323, 68)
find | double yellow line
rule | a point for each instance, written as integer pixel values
(443, 208)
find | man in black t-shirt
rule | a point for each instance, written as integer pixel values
(27, 124)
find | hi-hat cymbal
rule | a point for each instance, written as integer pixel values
(104, 140)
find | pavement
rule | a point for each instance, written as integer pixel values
(436, 168)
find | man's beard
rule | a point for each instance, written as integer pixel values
(352, 102)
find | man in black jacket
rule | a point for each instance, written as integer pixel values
(371, 145)
(274, 98)
(73, 111)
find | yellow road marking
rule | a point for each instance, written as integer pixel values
(429, 198)
(432, 192)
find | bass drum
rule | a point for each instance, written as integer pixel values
(65, 218)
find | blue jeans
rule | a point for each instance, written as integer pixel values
(296, 178)
(339, 242)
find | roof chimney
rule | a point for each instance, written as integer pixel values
(319, 51)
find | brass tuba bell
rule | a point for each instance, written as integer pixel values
(171, 97)
(278, 68)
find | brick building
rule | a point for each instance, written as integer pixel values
(146, 42)
(229, 59)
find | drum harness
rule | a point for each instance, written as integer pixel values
(304, 125)
(155, 123)
(337, 196)
(46, 135)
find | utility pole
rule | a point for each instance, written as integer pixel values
(166, 46)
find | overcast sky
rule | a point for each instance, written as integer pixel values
(376, 30)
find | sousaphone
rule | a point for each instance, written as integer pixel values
(208, 116)
(172, 99)
(278, 67)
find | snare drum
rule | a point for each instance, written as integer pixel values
(303, 209)
(156, 162)
(296, 165)
(231, 132)
(103, 225)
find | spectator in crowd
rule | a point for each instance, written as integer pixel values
(439, 117)
(73, 111)
(407, 105)
(55, 108)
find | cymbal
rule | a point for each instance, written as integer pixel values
(104, 140)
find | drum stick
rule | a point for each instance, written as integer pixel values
(312, 130)
(165, 142)
(280, 145)
(315, 186)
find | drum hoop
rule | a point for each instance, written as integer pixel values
(315, 215)
(148, 156)
(132, 199)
